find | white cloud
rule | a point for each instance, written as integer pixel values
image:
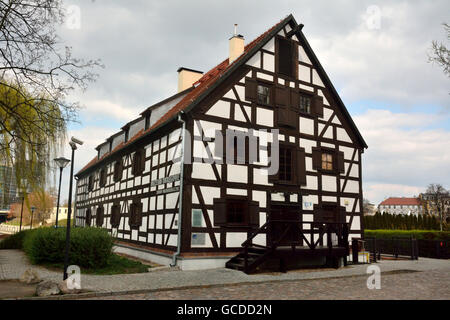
(107, 109)
(404, 154)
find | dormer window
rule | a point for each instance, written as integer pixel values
(263, 94)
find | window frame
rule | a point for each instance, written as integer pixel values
(269, 86)
(328, 153)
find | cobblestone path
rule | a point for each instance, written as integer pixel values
(405, 285)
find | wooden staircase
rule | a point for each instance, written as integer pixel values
(254, 255)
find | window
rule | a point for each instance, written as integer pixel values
(263, 94)
(327, 161)
(329, 212)
(286, 54)
(135, 219)
(103, 177)
(286, 164)
(258, 91)
(138, 162)
(291, 165)
(99, 216)
(88, 217)
(305, 104)
(236, 211)
(197, 218)
(91, 183)
(118, 169)
(115, 216)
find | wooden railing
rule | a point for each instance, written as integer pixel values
(320, 228)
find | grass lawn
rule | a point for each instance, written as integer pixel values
(116, 265)
(15, 222)
(63, 223)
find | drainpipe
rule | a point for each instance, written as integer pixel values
(180, 202)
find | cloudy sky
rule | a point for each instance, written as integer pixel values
(375, 53)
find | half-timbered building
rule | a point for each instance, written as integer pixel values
(189, 183)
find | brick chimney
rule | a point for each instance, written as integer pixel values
(236, 45)
(187, 77)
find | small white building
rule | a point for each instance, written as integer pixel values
(61, 215)
(402, 205)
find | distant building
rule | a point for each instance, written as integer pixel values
(61, 215)
(402, 205)
(8, 187)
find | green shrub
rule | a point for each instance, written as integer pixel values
(89, 247)
(15, 241)
(417, 234)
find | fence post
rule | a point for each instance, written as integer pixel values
(374, 249)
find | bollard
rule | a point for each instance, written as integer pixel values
(355, 251)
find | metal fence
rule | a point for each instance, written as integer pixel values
(397, 247)
(438, 249)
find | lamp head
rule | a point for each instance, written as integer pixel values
(62, 162)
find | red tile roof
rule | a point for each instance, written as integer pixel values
(401, 201)
(201, 86)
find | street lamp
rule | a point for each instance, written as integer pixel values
(73, 144)
(31, 222)
(62, 163)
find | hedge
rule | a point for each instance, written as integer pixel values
(15, 241)
(416, 234)
(90, 247)
(403, 222)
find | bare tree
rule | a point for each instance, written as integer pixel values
(36, 75)
(368, 208)
(436, 194)
(441, 54)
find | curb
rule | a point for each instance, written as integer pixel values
(139, 291)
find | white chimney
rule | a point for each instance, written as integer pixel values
(236, 45)
(187, 78)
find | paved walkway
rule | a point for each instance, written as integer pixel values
(13, 263)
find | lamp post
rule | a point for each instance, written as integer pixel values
(73, 144)
(62, 163)
(31, 222)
